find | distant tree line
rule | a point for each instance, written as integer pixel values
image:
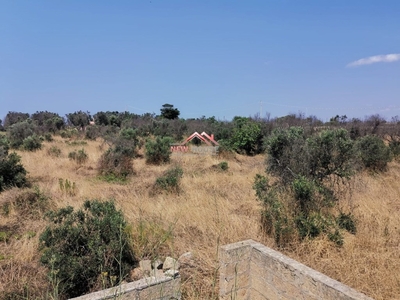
(244, 135)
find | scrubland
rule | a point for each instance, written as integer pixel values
(212, 208)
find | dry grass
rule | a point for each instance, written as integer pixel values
(213, 208)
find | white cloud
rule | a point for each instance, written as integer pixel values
(375, 59)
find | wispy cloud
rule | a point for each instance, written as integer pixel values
(375, 59)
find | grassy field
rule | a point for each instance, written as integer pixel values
(213, 208)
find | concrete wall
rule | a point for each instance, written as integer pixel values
(150, 288)
(250, 270)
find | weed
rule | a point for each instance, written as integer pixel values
(170, 180)
(79, 156)
(54, 151)
(67, 187)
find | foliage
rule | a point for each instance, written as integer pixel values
(12, 172)
(394, 146)
(170, 180)
(115, 164)
(18, 132)
(79, 156)
(346, 221)
(4, 146)
(246, 136)
(32, 143)
(310, 170)
(48, 121)
(82, 245)
(223, 166)
(13, 117)
(67, 187)
(54, 151)
(79, 118)
(373, 152)
(169, 112)
(158, 151)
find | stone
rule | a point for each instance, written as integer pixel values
(170, 264)
(157, 264)
(172, 273)
(145, 265)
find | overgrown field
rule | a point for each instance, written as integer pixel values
(212, 207)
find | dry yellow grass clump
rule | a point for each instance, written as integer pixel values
(213, 208)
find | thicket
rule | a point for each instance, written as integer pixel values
(86, 248)
(158, 151)
(373, 152)
(12, 172)
(311, 172)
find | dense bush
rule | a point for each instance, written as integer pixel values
(79, 118)
(310, 168)
(83, 247)
(170, 180)
(13, 117)
(18, 132)
(373, 152)
(394, 146)
(12, 172)
(48, 121)
(158, 151)
(32, 143)
(246, 137)
(115, 164)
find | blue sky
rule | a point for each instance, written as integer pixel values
(210, 57)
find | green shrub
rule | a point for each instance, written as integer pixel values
(246, 137)
(170, 180)
(114, 164)
(373, 152)
(32, 203)
(18, 132)
(12, 172)
(394, 146)
(32, 143)
(79, 156)
(48, 137)
(69, 133)
(311, 169)
(346, 221)
(223, 166)
(158, 151)
(54, 151)
(85, 246)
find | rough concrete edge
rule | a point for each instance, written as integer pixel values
(226, 254)
(125, 288)
(307, 271)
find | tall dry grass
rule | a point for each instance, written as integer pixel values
(212, 209)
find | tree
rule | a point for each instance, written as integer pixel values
(79, 118)
(246, 136)
(169, 112)
(13, 117)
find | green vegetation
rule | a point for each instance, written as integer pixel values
(79, 156)
(84, 246)
(158, 151)
(373, 152)
(311, 171)
(12, 172)
(170, 180)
